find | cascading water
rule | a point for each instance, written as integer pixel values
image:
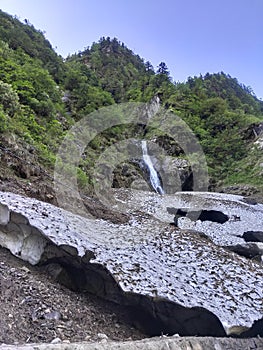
(153, 176)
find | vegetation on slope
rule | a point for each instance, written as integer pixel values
(220, 111)
(42, 96)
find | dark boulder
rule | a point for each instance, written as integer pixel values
(203, 215)
(253, 236)
(255, 331)
(248, 250)
(250, 200)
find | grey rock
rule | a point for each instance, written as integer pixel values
(102, 336)
(56, 341)
(162, 343)
(17, 218)
(176, 174)
(53, 315)
(4, 215)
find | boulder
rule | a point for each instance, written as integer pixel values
(253, 236)
(248, 250)
(203, 215)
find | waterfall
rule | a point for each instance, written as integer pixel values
(153, 176)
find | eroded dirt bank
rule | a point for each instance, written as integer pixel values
(36, 309)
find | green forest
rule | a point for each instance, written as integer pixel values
(42, 95)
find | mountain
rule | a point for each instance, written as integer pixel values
(71, 133)
(43, 96)
(33, 42)
(223, 114)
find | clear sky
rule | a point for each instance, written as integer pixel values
(191, 36)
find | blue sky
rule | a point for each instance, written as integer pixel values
(191, 36)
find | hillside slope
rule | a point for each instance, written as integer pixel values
(42, 96)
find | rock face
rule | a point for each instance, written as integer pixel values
(175, 173)
(173, 280)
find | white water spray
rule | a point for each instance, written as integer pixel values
(154, 178)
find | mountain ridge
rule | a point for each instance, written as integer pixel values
(43, 95)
